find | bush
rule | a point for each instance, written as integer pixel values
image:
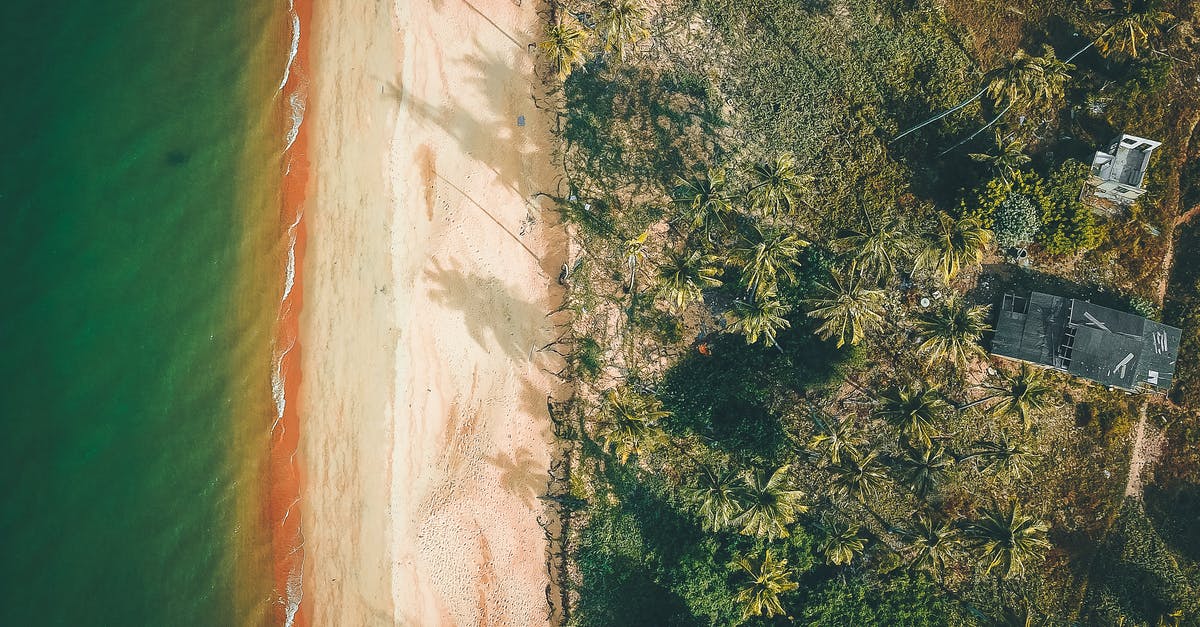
(1017, 221)
(1068, 226)
(997, 193)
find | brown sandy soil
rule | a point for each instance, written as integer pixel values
(428, 278)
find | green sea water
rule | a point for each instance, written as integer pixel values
(134, 326)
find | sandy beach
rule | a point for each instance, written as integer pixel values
(428, 274)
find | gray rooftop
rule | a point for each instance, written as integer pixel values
(1112, 347)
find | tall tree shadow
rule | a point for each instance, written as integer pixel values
(520, 474)
(494, 317)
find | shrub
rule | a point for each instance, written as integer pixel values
(1068, 226)
(1016, 221)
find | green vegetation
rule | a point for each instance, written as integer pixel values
(794, 221)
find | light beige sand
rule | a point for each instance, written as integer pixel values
(427, 281)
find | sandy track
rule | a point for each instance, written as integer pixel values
(428, 278)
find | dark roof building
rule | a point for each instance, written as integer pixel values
(1116, 348)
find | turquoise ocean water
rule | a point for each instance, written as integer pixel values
(140, 144)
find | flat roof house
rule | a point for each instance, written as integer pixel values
(1111, 347)
(1119, 171)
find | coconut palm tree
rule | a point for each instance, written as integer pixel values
(706, 200)
(759, 318)
(765, 258)
(1132, 31)
(953, 331)
(1006, 539)
(857, 476)
(1021, 394)
(771, 503)
(1009, 158)
(876, 250)
(1017, 81)
(922, 468)
(930, 542)
(769, 578)
(565, 48)
(914, 410)
(1004, 455)
(840, 542)
(847, 308)
(717, 498)
(622, 23)
(775, 185)
(1052, 84)
(1029, 81)
(629, 422)
(683, 276)
(1020, 81)
(952, 244)
(834, 436)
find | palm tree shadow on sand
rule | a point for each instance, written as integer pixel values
(494, 317)
(520, 474)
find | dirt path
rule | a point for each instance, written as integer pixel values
(1179, 157)
(1147, 446)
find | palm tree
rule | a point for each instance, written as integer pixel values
(834, 436)
(1004, 455)
(1053, 82)
(775, 185)
(716, 497)
(930, 542)
(683, 276)
(857, 476)
(953, 244)
(922, 468)
(1007, 539)
(876, 250)
(622, 23)
(1017, 81)
(760, 318)
(1027, 80)
(840, 542)
(953, 331)
(1021, 394)
(763, 260)
(847, 308)
(1132, 32)
(1009, 158)
(771, 504)
(565, 48)
(769, 578)
(706, 200)
(915, 411)
(629, 422)
(634, 250)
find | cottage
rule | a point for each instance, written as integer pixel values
(1111, 347)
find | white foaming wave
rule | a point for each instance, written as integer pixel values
(296, 100)
(288, 512)
(290, 277)
(287, 69)
(294, 592)
(277, 386)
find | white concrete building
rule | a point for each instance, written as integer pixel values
(1118, 172)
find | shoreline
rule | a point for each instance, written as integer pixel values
(428, 281)
(286, 482)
